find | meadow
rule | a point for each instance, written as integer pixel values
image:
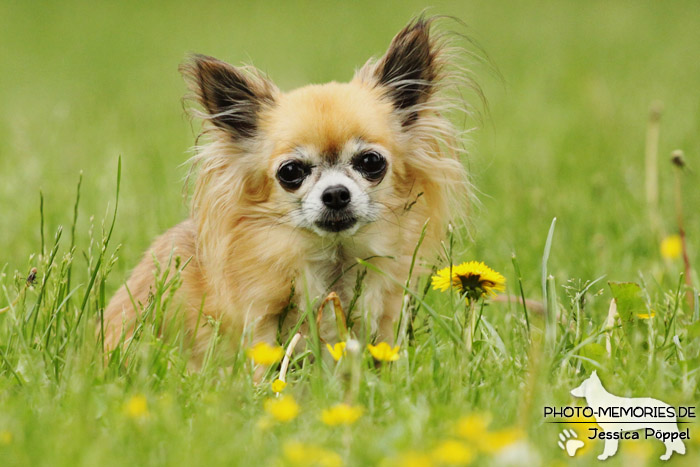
(91, 113)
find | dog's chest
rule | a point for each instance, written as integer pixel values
(331, 271)
(337, 270)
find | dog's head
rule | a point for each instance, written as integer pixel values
(588, 383)
(332, 158)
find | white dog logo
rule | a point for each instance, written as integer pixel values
(608, 409)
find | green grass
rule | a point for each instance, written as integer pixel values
(83, 84)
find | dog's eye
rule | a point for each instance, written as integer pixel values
(371, 164)
(291, 174)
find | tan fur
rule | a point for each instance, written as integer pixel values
(245, 252)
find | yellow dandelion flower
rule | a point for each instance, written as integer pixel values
(646, 315)
(278, 385)
(473, 279)
(341, 414)
(337, 351)
(672, 247)
(297, 453)
(263, 353)
(453, 452)
(472, 427)
(136, 407)
(284, 409)
(384, 352)
(5, 437)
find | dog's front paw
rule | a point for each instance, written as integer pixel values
(602, 457)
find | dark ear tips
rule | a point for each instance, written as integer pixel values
(409, 68)
(230, 96)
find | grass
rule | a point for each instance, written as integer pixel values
(85, 84)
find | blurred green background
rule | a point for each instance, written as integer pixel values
(569, 85)
(82, 83)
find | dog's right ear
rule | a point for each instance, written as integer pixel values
(232, 97)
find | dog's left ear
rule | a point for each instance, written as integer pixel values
(409, 70)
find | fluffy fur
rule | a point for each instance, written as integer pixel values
(245, 247)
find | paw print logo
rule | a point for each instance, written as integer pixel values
(569, 442)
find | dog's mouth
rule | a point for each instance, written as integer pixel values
(337, 224)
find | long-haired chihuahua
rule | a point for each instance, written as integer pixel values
(293, 187)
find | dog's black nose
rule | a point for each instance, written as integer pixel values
(336, 197)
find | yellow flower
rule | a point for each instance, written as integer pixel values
(472, 427)
(308, 454)
(341, 414)
(384, 352)
(136, 407)
(646, 315)
(284, 409)
(473, 279)
(278, 385)
(337, 351)
(5, 437)
(263, 353)
(495, 441)
(672, 247)
(453, 452)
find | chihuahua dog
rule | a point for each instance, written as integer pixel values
(293, 187)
